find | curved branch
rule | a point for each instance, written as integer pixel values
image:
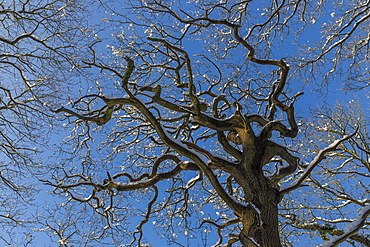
(147, 215)
(269, 126)
(273, 149)
(220, 227)
(183, 150)
(99, 120)
(220, 134)
(191, 86)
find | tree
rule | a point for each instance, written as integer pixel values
(347, 168)
(33, 53)
(189, 123)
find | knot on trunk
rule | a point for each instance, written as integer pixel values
(234, 137)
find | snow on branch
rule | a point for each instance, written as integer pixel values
(351, 228)
(319, 157)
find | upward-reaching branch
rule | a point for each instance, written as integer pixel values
(319, 157)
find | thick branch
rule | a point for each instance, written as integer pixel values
(215, 162)
(165, 103)
(273, 149)
(269, 126)
(123, 186)
(220, 134)
(227, 147)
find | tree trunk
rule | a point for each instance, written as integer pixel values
(260, 220)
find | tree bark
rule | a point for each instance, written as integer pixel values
(260, 219)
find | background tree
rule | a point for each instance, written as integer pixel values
(346, 168)
(189, 123)
(37, 40)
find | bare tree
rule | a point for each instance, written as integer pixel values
(187, 123)
(193, 109)
(37, 40)
(341, 211)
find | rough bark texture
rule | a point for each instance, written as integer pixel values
(260, 219)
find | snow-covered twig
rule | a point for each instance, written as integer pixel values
(351, 228)
(319, 157)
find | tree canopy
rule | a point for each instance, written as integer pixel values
(198, 123)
